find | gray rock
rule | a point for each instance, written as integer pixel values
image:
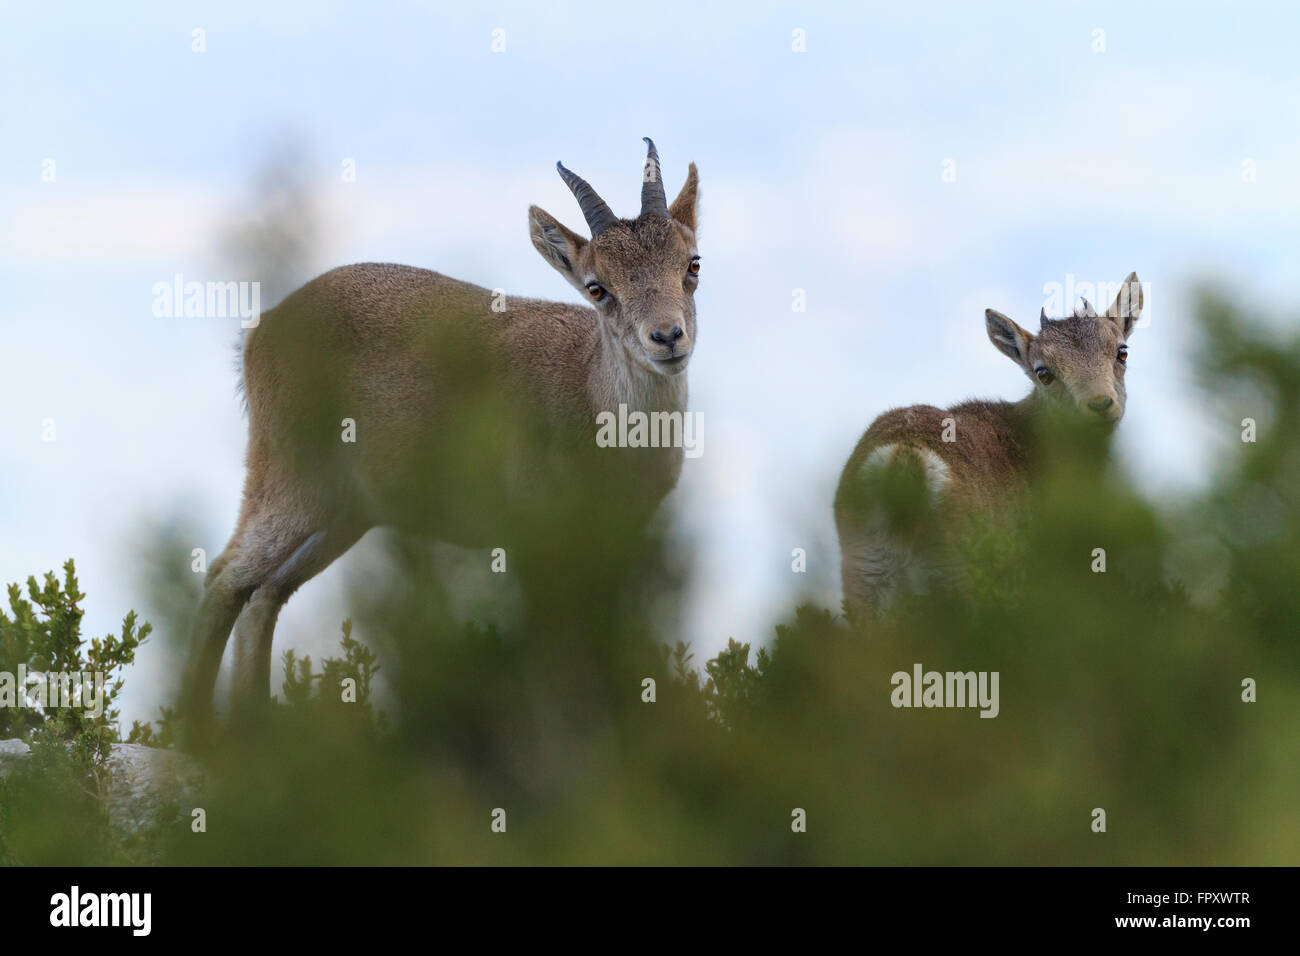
(11, 754)
(13, 748)
(149, 785)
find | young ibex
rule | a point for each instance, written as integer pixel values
(973, 458)
(465, 410)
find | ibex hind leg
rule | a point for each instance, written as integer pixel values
(261, 544)
(883, 524)
(255, 627)
(222, 600)
(877, 570)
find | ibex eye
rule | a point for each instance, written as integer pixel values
(597, 291)
(1122, 356)
(1044, 375)
(694, 267)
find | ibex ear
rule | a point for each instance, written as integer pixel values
(558, 244)
(1009, 339)
(683, 207)
(1128, 304)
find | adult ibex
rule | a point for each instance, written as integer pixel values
(974, 458)
(391, 395)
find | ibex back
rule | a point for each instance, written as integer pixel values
(390, 395)
(920, 472)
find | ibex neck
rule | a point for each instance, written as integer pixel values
(618, 378)
(1021, 414)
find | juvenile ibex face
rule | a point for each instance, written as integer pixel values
(1079, 361)
(639, 274)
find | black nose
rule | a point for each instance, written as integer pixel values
(1101, 404)
(663, 338)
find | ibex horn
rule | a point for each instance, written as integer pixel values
(598, 215)
(653, 200)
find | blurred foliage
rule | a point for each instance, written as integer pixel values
(143, 732)
(344, 683)
(1120, 690)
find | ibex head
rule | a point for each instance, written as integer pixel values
(640, 274)
(1078, 361)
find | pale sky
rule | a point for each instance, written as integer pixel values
(1173, 151)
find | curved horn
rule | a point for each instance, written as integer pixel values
(598, 215)
(653, 200)
(1088, 310)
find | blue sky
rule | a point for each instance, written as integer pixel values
(820, 170)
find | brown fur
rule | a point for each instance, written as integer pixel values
(465, 416)
(987, 468)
